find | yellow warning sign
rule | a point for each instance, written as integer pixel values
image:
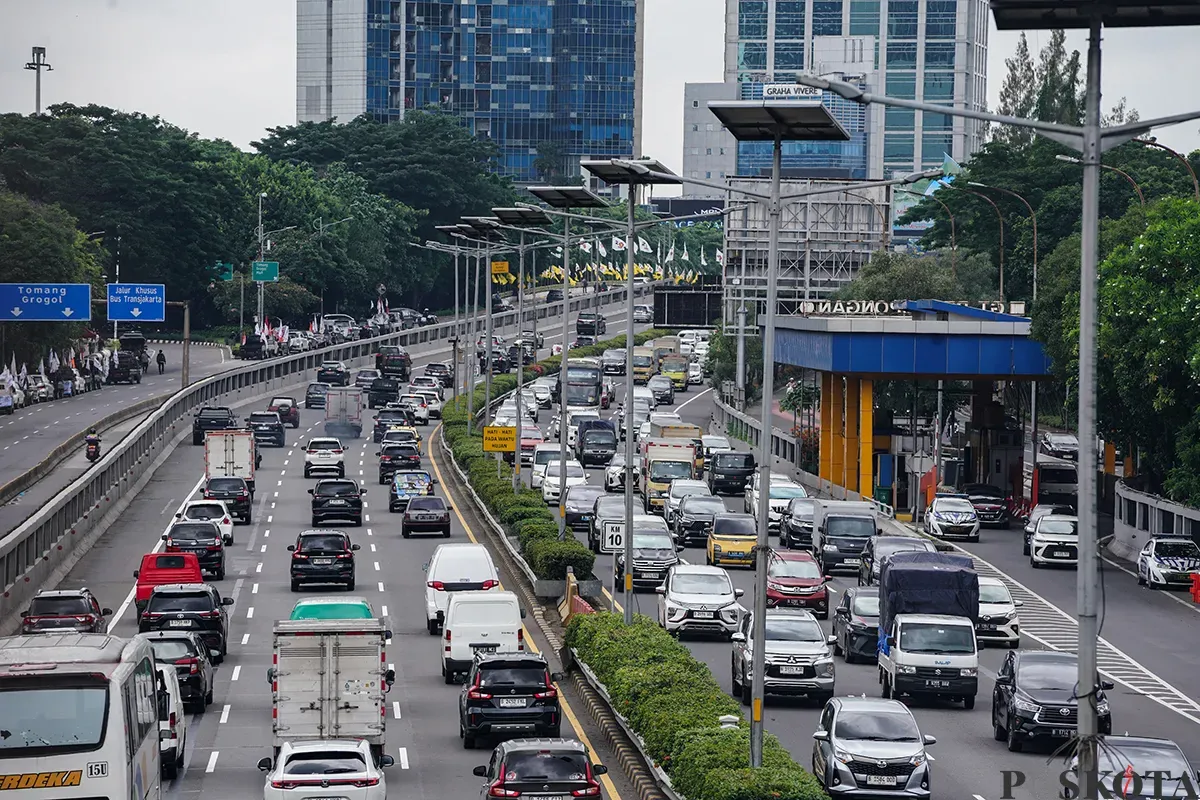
(498, 439)
(499, 267)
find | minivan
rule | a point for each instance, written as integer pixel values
(543, 454)
(479, 621)
(456, 568)
(158, 569)
(596, 445)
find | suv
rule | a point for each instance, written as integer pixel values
(879, 548)
(1034, 698)
(315, 394)
(442, 372)
(333, 373)
(288, 410)
(195, 607)
(267, 426)
(390, 418)
(322, 557)
(866, 746)
(235, 492)
(65, 610)
(193, 662)
(324, 454)
(549, 767)
(730, 471)
(393, 457)
(393, 361)
(426, 515)
(203, 540)
(699, 599)
(589, 323)
(508, 692)
(213, 418)
(991, 504)
(654, 553)
(695, 518)
(337, 498)
(796, 652)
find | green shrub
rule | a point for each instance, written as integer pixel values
(549, 558)
(536, 531)
(521, 508)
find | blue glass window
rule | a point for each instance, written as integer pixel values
(827, 18)
(864, 17)
(902, 55)
(902, 19)
(935, 147)
(899, 119)
(902, 85)
(898, 147)
(789, 56)
(939, 85)
(939, 54)
(752, 19)
(752, 55)
(941, 19)
(789, 19)
(937, 122)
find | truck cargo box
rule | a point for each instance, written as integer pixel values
(927, 583)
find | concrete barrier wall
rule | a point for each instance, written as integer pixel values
(1137, 516)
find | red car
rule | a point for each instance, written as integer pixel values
(794, 580)
(288, 410)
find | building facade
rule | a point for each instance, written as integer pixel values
(552, 82)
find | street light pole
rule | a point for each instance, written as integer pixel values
(562, 383)
(261, 252)
(457, 327)
(469, 367)
(1000, 222)
(1152, 142)
(630, 259)
(37, 65)
(516, 476)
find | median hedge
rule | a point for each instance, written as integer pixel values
(673, 703)
(523, 513)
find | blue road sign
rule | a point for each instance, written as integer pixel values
(45, 302)
(137, 302)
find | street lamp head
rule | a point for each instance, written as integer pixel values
(927, 175)
(841, 88)
(262, 194)
(1068, 159)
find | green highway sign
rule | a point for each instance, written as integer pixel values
(264, 271)
(224, 271)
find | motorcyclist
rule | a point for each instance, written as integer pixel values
(92, 439)
(161, 358)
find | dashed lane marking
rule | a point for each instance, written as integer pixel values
(237, 673)
(225, 714)
(396, 709)
(212, 761)
(245, 638)
(403, 751)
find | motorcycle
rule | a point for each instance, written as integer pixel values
(93, 451)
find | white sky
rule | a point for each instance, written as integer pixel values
(226, 68)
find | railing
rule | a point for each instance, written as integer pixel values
(49, 541)
(1137, 516)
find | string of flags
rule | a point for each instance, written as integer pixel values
(650, 262)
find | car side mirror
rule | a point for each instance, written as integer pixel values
(660, 590)
(106, 612)
(523, 613)
(378, 452)
(821, 736)
(558, 676)
(179, 516)
(434, 481)
(1106, 685)
(214, 654)
(361, 492)
(599, 769)
(356, 547)
(291, 548)
(480, 771)
(827, 578)
(135, 573)
(264, 765)
(26, 613)
(1003, 680)
(891, 641)
(226, 601)
(738, 592)
(930, 739)
(386, 761)
(738, 637)
(310, 491)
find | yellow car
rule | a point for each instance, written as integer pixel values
(402, 434)
(731, 540)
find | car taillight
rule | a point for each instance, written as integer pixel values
(214, 548)
(441, 587)
(520, 638)
(446, 633)
(476, 692)
(210, 614)
(345, 555)
(171, 720)
(86, 619)
(192, 664)
(226, 521)
(497, 790)
(593, 790)
(336, 452)
(243, 494)
(489, 584)
(300, 556)
(171, 544)
(550, 691)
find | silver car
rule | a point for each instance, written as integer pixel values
(868, 747)
(679, 490)
(699, 599)
(798, 659)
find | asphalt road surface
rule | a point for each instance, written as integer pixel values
(225, 744)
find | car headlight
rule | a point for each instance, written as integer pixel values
(716, 548)
(1026, 706)
(917, 760)
(824, 667)
(830, 548)
(968, 672)
(686, 520)
(730, 613)
(904, 669)
(843, 756)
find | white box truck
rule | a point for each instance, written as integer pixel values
(231, 454)
(841, 529)
(343, 412)
(330, 680)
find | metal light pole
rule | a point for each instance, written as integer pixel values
(472, 357)
(1128, 178)
(999, 220)
(118, 272)
(457, 326)
(516, 476)
(562, 382)
(1152, 142)
(37, 65)
(261, 252)
(630, 260)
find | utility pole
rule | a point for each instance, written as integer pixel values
(261, 252)
(118, 271)
(37, 65)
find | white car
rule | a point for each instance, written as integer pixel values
(214, 511)
(614, 474)
(643, 432)
(324, 454)
(700, 599)
(643, 314)
(1168, 561)
(298, 344)
(750, 499)
(419, 407)
(781, 493)
(543, 454)
(553, 478)
(342, 768)
(1039, 511)
(646, 395)
(695, 374)
(172, 731)
(530, 404)
(458, 567)
(952, 517)
(425, 382)
(543, 393)
(433, 400)
(998, 622)
(679, 490)
(1055, 542)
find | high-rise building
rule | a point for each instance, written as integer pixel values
(929, 50)
(552, 82)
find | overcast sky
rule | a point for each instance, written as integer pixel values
(226, 68)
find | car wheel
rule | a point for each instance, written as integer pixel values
(404, 532)
(447, 675)
(358, 522)
(432, 626)
(315, 522)
(169, 769)
(1033, 564)
(998, 732)
(1025, 549)
(619, 584)
(468, 740)
(1141, 580)
(295, 586)
(446, 533)
(1014, 741)
(221, 573)
(837, 646)
(887, 688)
(969, 702)
(208, 697)
(735, 688)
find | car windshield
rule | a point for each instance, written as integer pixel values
(226, 484)
(687, 490)
(664, 471)
(734, 460)
(782, 628)
(172, 601)
(703, 505)
(59, 606)
(1062, 438)
(735, 526)
(955, 506)
(544, 457)
(426, 504)
(581, 395)
(876, 726)
(926, 637)
(414, 478)
(659, 382)
(168, 650)
(802, 507)
(883, 549)
(497, 675)
(393, 450)
(204, 511)
(196, 530)
(336, 762)
(584, 495)
(850, 526)
(1114, 758)
(545, 765)
(335, 489)
(574, 470)
(642, 361)
(793, 568)
(994, 593)
(322, 543)
(324, 444)
(787, 492)
(1048, 675)
(1062, 527)
(652, 541)
(600, 436)
(318, 388)
(1176, 550)
(693, 583)
(866, 606)
(1058, 475)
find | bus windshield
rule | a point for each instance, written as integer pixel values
(583, 376)
(37, 719)
(583, 395)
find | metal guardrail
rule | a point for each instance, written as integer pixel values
(30, 553)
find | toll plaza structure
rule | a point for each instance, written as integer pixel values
(852, 345)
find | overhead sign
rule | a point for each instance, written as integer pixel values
(499, 267)
(497, 439)
(614, 538)
(45, 302)
(137, 302)
(267, 271)
(224, 271)
(886, 308)
(790, 91)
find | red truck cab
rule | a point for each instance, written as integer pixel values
(162, 568)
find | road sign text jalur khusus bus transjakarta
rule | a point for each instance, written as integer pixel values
(45, 302)
(140, 302)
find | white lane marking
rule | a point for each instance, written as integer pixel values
(212, 761)
(285, 461)
(225, 714)
(158, 546)
(377, 566)
(263, 549)
(372, 547)
(258, 567)
(381, 586)
(280, 483)
(383, 611)
(267, 533)
(403, 757)
(237, 673)
(396, 709)
(245, 638)
(250, 612)
(687, 403)
(167, 507)
(254, 589)
(270, 519)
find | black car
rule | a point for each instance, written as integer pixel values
(612, 362)
(443, 372)
(63, 611)
(254, 348)
(391, 417)
(729, 472)
(546, 767)
(879, 548)
(201, 539)
(509, 693)
(195, 607)
(990, 503)
(235, 492)
(212, 418)
(595, 445)
(365, 377)
(796, 524)
(125, 368)
(663, 389)
(426, 515)
(314, 396)
(554, 296)
(579, 502)
(609, 507)
(337, 499)
(695, 519)
(655, 552)
(322, 557)
(393, 457)
(333, 373)
(1060, 445)
(193, 662)
(500, 362)
(1035, 697)
(856, 624)
(589, 323)
(393, 361)
(267, 427)
(384, 390)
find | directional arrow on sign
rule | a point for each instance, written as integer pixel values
(137, 312)
(67, 312)
(16, 312)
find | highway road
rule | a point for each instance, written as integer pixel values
(968, 763)
(226, 742)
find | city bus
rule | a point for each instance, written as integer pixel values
(584, 382)
(79, 713)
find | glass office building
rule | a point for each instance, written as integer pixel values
(550, 81)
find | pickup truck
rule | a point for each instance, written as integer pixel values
(212, 418)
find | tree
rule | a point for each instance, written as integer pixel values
(722, 357)
(550, 161)
(937, 275)
(1017, 93)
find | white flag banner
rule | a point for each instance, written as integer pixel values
(670, 255)
(618, 245)
(644, 246)
(600, 244)
(703, 260)
(684, 257)
(585, 247)
(720, 257)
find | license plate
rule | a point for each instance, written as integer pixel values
(651, 575)
(429, 518)
(987, 627)
(851, 562)
(880, 780)
(1062, 733)
(938, 684)
(586, 518)
(1061, 554)
(702, 614)
(321, 562)
(512, 702)
(337, 502)
(791, 670)
(545, 797)
(180, 623)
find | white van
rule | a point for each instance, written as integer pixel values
(454, 568)
(573, 420)
(479, 621)
(543, 454)
(931, 654)
(172, 721)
